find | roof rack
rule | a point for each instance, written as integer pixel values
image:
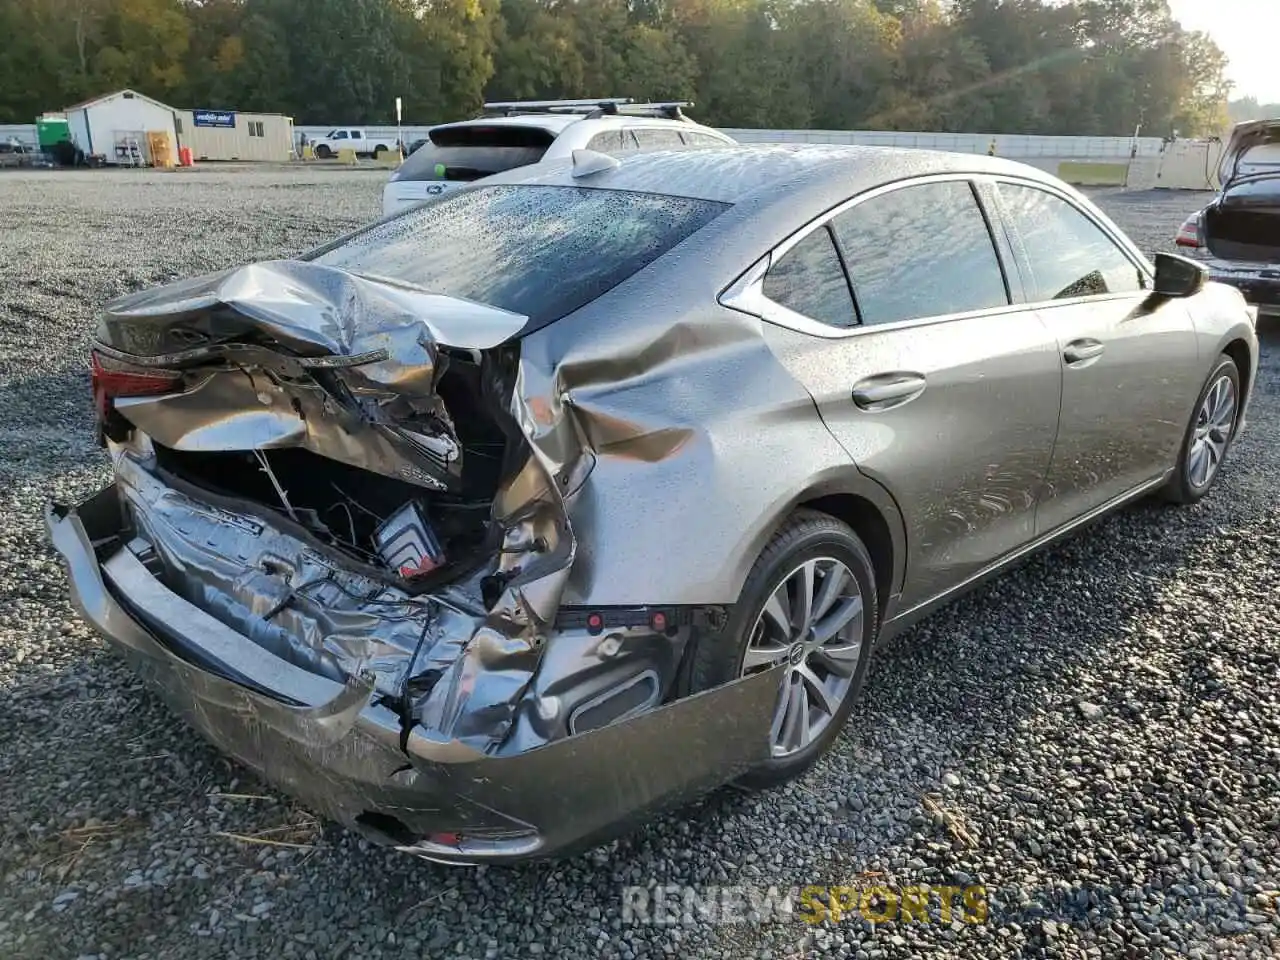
(606, 107)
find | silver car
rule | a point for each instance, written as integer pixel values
(497, 525)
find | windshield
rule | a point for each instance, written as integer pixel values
(536, 250)
(1264, 157)
(477, 150)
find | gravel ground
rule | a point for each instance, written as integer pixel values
(1097, 734)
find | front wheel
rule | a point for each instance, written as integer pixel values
(810, 604)
(323, 151)
(1208, 436)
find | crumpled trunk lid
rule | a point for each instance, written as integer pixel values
(294, 354)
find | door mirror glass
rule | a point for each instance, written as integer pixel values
(1177, 276)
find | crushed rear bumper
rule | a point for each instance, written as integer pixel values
(343, 752)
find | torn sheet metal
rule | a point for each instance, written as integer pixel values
(342, 751)
(309, 310)
(247, 409)
(285, 353)
(464, 667)
(466, 660)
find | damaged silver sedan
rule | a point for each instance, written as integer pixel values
(499, 524)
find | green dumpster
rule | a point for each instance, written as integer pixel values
(50, 131)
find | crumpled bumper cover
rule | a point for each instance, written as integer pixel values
(343, 752)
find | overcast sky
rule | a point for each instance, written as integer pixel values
(1246, 31)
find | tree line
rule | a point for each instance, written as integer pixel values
(1079, 67)
(1248, 108)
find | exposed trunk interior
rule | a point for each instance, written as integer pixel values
(1250, 235)
(1245, 223)
(344, 506)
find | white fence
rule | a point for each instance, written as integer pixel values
(1015, 146)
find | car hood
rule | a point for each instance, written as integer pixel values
(1244, 137)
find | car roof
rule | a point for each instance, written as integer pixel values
(543, 121)
(800, 174)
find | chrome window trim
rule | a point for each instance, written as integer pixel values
(746, 294)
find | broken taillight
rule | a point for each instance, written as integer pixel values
(1189, 233)
(112, 378)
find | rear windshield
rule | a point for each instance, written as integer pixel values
(475, 151)
(540, 251)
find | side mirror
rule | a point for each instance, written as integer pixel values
(1177, 276)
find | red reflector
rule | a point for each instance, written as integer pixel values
(446, 839)
(1189, 234)
(595, 623)
(658, 621)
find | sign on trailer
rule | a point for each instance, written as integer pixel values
(214, 118)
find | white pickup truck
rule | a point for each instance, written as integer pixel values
(352, 138)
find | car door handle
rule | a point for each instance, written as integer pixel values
(1078, 351)
(887, 390)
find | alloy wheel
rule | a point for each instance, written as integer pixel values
(812, 622)
(1212, 432)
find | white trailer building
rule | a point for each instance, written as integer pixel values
(231, 135)
(115, 126)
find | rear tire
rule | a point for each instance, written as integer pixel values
(379, 150)
(1209, 435)
(782, 616)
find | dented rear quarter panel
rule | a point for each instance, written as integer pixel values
(702, 440)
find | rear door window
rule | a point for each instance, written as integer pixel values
(920, 251)
(540, 251)
(474, 151)
(1068, 254)
(808, 279)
